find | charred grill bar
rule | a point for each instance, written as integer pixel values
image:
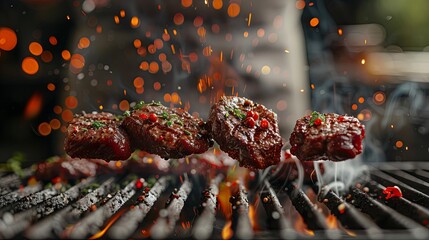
(169, 216)
(241, 226)
(119, 207)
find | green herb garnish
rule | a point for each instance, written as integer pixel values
(153, 103)
(151, 181)
(236, 112)
(84, 129)
(139, 105)
(169, 123)
(97, 124)
(13, 164)
(127, 113)
(164, 115)
(187, 132)
(316, 115)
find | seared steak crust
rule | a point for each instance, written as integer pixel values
(97, 136)
(247, 131)
(336, 138)
(167, 132)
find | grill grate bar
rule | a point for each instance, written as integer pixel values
(348, 215)
(55, 224)
(408, 192)
(92, 223)
(424, 175)
(275, 213)
(31, 200)
(166, 222)
(128, 223)
(203, 226)
(241, 226)
(409, 179)
(309, 212)
(401, 204)
(23, 219)
(16, 195)
(384, 216)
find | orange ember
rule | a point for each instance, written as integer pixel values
(233, 10)
(35, 48)
(71, 102)
(8, 39)
(124, 105)
(217, 4)
(66, 55)
(84, 42)
(44, 129)
(34, 105)
(67, 115)
(314, 22)
(53, 40)
(77, 62)
(186, 3)
(178, 19)
(30, 65)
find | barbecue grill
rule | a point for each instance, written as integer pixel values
(197, 206)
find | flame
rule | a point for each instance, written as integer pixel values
(109, 224)
(223, 198)
(350, 233)
(253, 217)
(332, 222)
(227, 231)
(301, 227)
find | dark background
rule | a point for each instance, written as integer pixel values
(333, 67)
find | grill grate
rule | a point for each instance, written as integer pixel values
(120, 207)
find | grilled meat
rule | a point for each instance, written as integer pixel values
(167, 132)
(66, 168)
(97, 136)
(327, 136)
(247, 131)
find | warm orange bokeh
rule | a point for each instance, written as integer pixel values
(34, 105)
(35, 48)
(8, 39)
(233, 10)
(30, 65)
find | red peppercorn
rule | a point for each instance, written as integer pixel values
(249, 114)
(264, 123)
(250, 122)
(139, 183)
(56, 180)
(394, 191)
(143, 116)
(255, 116)
(318, 121)
(153, 117)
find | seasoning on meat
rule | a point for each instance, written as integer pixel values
(97, 136)
(247, 131)
(327, 136)
(167, 132)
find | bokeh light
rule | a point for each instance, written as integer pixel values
(30, 65)
(8, 39)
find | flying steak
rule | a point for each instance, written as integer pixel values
(247, 131)
(97, 136)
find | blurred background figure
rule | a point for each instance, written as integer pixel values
(365, 58)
